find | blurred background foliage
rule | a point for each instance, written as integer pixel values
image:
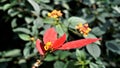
(23, 21)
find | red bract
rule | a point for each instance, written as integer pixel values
(52, 43)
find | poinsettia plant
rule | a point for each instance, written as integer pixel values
(52, 43)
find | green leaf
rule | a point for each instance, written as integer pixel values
(49, 20)
(93, 65)
(87, 2)
(2, 1)
(24, 37)
(76, 20)
(28, 20)
(22, 63)
(47, 26)
(116, 35)
(92, 1)
(73, 21)
(35, 6)
(101, 18)
(12, 53)
(14, 23)
(38, 22)
(98, 31)
(59, 64)
(5, 60)
(81, 56)
(116, 8)
(20, 15)
(44, 13)
(34, 30)
(115, 2)
(23, 30)
(62, 54)
(94, 50)
(45, 1)
(113, 46)
(6, 6)
(26, 52)
(12, 12)
(100, 63)
(60, 30)
(50, 57)
(90, 18)
(70, 64)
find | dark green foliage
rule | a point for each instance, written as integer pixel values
(24, 21)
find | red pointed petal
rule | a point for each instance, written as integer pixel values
(50, 35)
(39, 47)
(78, 43)
(59, 42)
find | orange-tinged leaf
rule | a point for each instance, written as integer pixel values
(59, 42)
(78, 43)
(50, 35)
(39, 47)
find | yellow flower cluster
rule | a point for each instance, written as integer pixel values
(83, 28)
(55, 14)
